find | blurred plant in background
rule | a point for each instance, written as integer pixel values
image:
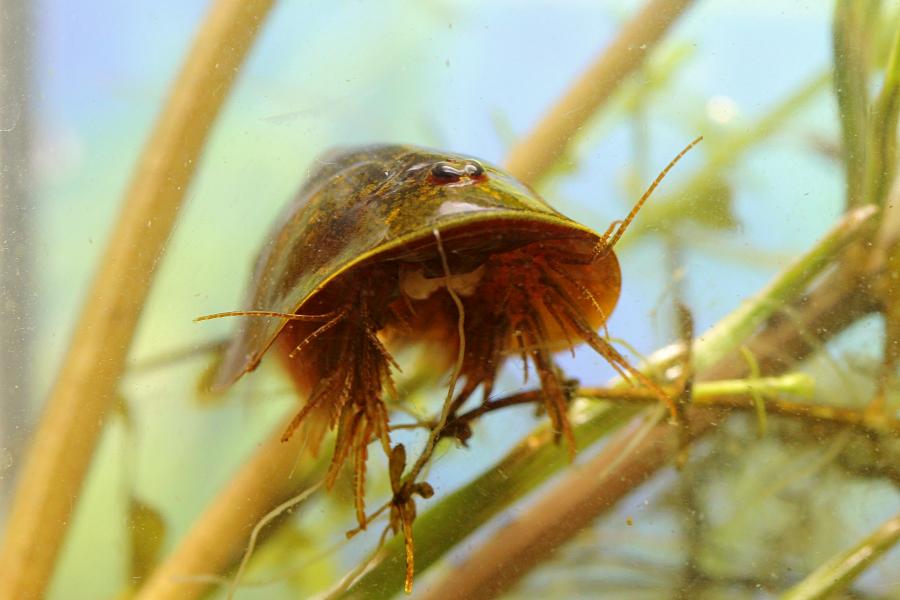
(764, 268)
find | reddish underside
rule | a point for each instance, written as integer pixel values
(568, 274)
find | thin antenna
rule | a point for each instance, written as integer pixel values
(267, 313)
(640, 203)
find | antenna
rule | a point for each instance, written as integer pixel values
(634, 211)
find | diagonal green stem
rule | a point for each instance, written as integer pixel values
(728, 333)
(881, 155)
(841, 570)
(850, 42)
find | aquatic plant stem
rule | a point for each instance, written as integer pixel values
(85, 387)
(840, 571)
(533, 157)
(850, 40)
(739, 394)
(881, 153)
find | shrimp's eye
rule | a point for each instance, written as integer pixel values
(473, 168)
(448, 172)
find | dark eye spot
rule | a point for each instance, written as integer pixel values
(446, 172)
(473, 168)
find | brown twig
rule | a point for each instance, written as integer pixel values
(86, 385)
(536, 154)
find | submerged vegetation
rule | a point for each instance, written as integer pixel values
(774, 471)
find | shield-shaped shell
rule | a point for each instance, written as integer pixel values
(390, 245)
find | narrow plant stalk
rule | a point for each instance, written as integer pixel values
(842, 570)
(85, 387)
(533, 157)
(217, 539)
(711, 392)
(881, 155)
(851, 70)
(795, 384)
(536, 458)
(759, 403)
(739, 394)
